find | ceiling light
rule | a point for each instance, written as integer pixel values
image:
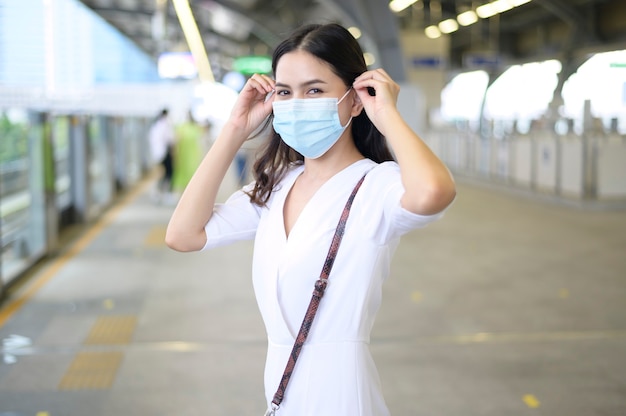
(448, 26)
(194, 40)
(399, 5)
(228, 23)
(486, 10)
(355, 32)
(432, 32)
(467, 18)
(502, 5)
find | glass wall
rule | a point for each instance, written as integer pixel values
(66, 49)
(22, 203)
(100, 165)
(601, 81)
(61, 148)
(523, 92)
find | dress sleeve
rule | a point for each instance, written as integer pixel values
(235, 220)
(390, 219)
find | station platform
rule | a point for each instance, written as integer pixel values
(507, 306)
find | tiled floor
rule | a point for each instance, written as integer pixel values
(508, 306)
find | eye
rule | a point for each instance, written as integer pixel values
(282, 92)
(315, 91)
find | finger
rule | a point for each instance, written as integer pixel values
(365, 89)
(365, 75)
(369, 83)
(380, 72)
(375, 75)
(364, 78)
(266, 81)
(262, 83)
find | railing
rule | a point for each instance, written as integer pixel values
(575, 167)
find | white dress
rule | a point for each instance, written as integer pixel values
(335, 374)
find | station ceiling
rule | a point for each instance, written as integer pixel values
(539, 29)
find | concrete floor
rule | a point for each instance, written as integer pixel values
(508, 306)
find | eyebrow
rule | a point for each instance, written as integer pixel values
(304, 84)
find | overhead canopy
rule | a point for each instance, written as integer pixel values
(538, 29)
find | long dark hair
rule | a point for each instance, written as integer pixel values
(335, 45)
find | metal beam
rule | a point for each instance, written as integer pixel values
(378, 22)
(567, 13)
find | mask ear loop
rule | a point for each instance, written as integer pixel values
(340, 100)
(344, 96)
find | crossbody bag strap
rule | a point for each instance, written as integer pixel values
(318, 292)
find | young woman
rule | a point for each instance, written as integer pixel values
(332, 121)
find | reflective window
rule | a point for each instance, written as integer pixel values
(100, 165)
(22, 203)
(462, 98)
(522, 92)
(602, 81)
(62, 163)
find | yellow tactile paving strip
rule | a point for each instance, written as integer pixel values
(156, 237)
(91, 371)
(110, 330)
(97, 370)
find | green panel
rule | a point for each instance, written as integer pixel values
(258, 64)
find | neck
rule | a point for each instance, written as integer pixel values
(343, 154)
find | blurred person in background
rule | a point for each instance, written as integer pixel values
(189, 135)
(162, 143)
(245, 158)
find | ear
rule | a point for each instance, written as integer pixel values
(357, 104)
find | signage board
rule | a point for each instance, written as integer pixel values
(428, 62)
(481, 60)
(253, 64)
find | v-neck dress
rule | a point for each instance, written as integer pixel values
(335, 374)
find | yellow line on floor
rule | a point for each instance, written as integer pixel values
(531, 401)
(520, 337)
(56, 264)
(156, 237)
(416, 297)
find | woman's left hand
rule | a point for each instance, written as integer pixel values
(381, 107)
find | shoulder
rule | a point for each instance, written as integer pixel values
(383, 181)
(389, 166)
(383, 172)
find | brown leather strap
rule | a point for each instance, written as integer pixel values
(318, 292)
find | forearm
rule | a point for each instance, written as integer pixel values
(429, 186)
(185, 231)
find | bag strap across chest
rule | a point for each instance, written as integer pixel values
(318, 292)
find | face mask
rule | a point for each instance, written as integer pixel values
(310, 126)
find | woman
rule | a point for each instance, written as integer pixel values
(332, 122)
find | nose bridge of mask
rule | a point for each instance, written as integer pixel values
(306, 104)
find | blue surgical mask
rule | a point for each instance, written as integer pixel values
(310, 126)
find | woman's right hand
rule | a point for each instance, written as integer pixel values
(185, 231)
(253, 105)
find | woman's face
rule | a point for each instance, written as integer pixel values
(301, 75)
